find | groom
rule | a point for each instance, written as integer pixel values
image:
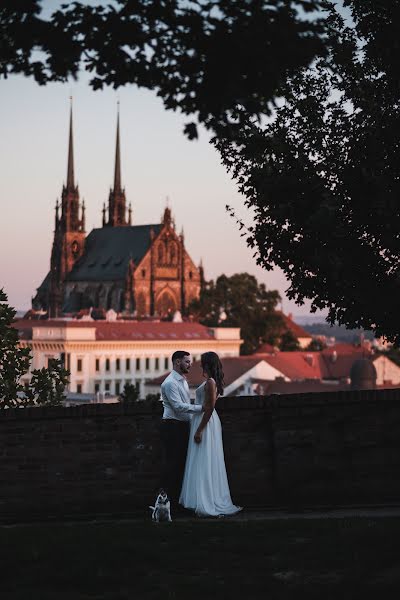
(175, 397)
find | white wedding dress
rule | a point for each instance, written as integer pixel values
(205, 486)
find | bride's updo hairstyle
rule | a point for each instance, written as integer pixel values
(212, 366)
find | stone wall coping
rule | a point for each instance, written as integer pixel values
(272, 403)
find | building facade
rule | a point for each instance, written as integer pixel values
(104, 355)
(139, 270)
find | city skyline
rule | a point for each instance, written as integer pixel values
(157, 162)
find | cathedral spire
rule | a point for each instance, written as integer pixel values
(70, 169)
(117, 171)
(116, 199)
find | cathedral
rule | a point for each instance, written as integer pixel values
(137, 270)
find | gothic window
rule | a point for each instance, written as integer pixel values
(143, 273)
(121, 302)
(98, 296)
(109, 299)
(160, 253)
(88, 297)
(173, 254)
(166, 304)
(141, 304)
(75, 248)
(190, 275)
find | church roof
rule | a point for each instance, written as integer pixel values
(45, 285)
(108, 251)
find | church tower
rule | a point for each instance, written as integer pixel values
(117, 199)
(69, 233)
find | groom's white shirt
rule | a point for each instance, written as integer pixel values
(175, 397)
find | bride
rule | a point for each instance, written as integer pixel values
(205, 486)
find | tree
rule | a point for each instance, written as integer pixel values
(131, 393)
(288, 342)
(240, 301)
(153, 397)
(316, 345)
(204, 57)
(46, 385)
(14, 360)
(323, 177)
(321, 174)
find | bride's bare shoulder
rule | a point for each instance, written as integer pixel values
(211, 384)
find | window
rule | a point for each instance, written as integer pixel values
(147, 364)
(117, 387)
(79, 365)
(107, 386)
(107, 364)
(157, 364)
(138, 364)
(97, 364)
(26, 385)
(79, 388)
(166, 362)
(190, 275)
(128, 364)
(96, 387)
(143, 273)
(117, 364)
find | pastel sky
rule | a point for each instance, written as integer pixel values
(157, 161)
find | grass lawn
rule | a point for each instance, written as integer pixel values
(324, 559)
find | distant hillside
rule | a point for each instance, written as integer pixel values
(340, 333)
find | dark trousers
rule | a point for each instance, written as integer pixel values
(175, 438)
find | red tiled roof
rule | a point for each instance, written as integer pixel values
(266, 349)
(344, 348)
(330, 363)
(297, 331)
(125, 330)
(142, 330)
(336, 362)
(296, 365)
(233, 368)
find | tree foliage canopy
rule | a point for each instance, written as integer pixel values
(205, 57)
(46, 385)
(240, 301)
(304, 109)
(323, 177)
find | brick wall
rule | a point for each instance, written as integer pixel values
(297, 450)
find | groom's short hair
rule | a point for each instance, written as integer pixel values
(178, 355)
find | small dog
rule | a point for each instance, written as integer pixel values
(162, 508)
